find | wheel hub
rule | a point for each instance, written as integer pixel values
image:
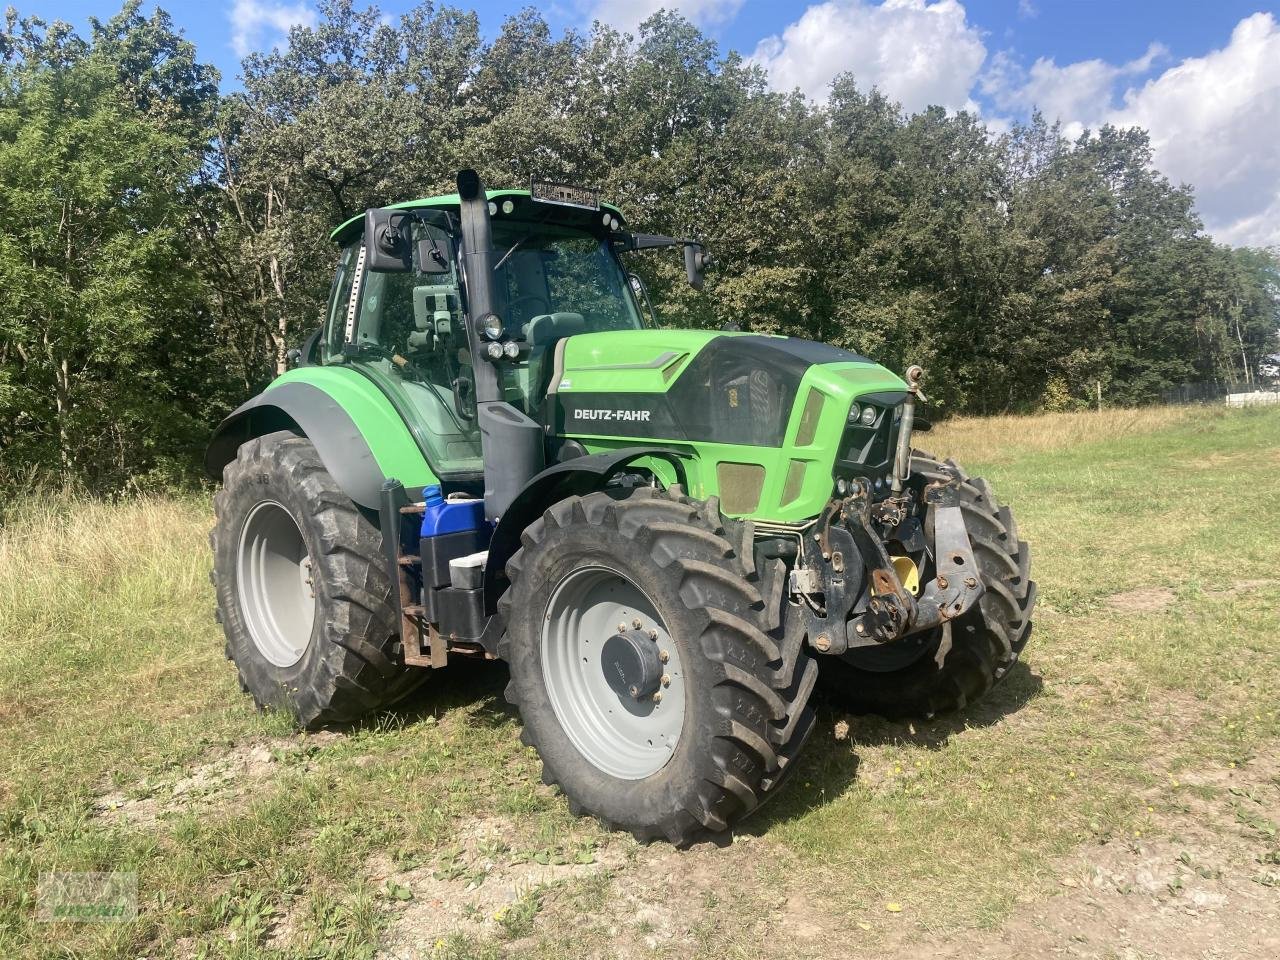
(613, 673)
(631, 664)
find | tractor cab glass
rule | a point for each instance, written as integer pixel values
(405, 330)
(550, 284)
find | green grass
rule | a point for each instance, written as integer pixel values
(114, 693)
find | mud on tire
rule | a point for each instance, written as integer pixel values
(985, 643)
(350, 664)
(747, 676)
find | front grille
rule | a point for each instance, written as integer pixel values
(867, 451)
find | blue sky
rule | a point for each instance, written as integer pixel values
(1203, 77)
(1111, 30)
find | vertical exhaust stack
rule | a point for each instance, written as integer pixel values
(511, 444)
(477, 265)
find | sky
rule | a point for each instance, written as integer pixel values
(1203, 77)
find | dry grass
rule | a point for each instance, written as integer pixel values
(999, 439)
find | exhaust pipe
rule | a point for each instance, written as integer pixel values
(902, 458)
(477, 266)
(511, 444)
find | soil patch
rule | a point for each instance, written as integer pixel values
(476, 889)
(1145, 600)
(216, 782)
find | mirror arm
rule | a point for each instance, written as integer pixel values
(650, 241)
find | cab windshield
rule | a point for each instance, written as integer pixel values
(407, 333)
(546, 271)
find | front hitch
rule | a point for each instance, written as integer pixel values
(892, 612)
(877, 608)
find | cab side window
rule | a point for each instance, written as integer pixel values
(339, 298)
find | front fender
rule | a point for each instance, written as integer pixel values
(576, 477)
(358, 434)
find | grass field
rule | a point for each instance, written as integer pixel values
(1118, 795)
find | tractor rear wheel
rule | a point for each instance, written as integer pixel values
(649, 663)
(924, 675)
(303, 594)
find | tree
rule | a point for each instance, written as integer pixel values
(102, 337)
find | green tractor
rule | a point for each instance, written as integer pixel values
(492, 451)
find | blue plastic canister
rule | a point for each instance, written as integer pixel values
(443, 516)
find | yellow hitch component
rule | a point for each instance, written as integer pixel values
(908, 573)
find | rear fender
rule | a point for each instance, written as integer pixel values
(358, 434)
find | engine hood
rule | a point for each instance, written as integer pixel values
(701, 385)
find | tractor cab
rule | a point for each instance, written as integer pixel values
(401, 319)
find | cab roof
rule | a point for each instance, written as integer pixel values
(526, 208)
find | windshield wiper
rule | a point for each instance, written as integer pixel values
(512, 249)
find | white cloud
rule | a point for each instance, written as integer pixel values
(250, 19)
(629, 14)
(916, 52)
(1214, 120)
(1215, 123)
(1078, 94)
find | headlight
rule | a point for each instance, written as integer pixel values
(854, 411)
(868, 416)
(491, 326)
(511, 350)
(508, 206)
(494, 350)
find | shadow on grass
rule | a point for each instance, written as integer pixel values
(827, 766)
(825, 769)
(470, 684)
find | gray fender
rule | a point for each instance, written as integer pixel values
(307, 410)
(576, 477)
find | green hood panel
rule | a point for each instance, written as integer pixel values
(649, 360)
(761, 419)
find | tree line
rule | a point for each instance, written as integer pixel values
(164, 243)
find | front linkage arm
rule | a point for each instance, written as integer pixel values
(889, 611)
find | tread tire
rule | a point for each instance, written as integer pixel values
(985, 643)
(351, 665)
(748, 676)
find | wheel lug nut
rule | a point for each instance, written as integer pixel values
(622, 628)
(666, 680)
(664, 656)
(653, 635)
(657, 697)
(637, 623)
(633, 690)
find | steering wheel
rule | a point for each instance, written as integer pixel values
(519, 315)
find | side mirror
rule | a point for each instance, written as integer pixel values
(696, 262)
(386, 246)
(431, 259)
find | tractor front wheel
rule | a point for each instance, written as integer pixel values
(930, 673)
(649, 664)
(303, 594)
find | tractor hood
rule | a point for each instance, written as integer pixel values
(705, 386)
